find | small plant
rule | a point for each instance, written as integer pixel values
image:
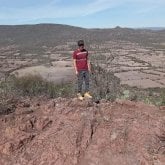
(126, 94)
(162, 96)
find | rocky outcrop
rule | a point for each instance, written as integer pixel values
(71, 132)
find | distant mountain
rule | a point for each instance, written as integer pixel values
(153, 28)
(35, 36)
(39, 34)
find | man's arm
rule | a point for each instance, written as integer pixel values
(88, 63)
(89, 66)
(74, 64)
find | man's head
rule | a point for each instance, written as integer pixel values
(80, 43)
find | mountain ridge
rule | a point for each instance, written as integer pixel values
(55, 34)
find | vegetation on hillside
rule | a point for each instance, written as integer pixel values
(30, 45)
(104, 85)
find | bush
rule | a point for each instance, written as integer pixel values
(104, 84)
(34, 85)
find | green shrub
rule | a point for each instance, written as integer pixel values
(34, 85)
(104, 84)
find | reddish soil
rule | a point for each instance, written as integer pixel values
(70, 132)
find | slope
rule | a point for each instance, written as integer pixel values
(70, 132)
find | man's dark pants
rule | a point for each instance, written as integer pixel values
(83, 75)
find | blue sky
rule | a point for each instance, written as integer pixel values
(84, 13)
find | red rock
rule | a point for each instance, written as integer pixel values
(80, 133)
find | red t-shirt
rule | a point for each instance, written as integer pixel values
(81, 58)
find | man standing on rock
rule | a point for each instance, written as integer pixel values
(82, 69)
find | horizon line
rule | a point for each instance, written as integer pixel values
(117, 26)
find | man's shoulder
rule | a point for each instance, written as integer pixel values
(84, 50)
(76, 51)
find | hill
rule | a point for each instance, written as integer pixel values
(37, 126)
(136, 56)
(55, 34)
(29, 35)
(71, 132)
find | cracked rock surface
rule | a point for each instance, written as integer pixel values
(70, 132)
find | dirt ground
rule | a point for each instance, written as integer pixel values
(59, 72)
(135, 65)
(70, 132)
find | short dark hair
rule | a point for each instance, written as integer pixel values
(80, 43)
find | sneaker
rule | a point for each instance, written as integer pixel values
(80, 96)
(87, 95)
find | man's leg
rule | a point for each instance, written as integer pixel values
(80, 81)
(86, 79)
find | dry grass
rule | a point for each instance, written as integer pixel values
(12, 88)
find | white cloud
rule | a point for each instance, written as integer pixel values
(53, 10)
